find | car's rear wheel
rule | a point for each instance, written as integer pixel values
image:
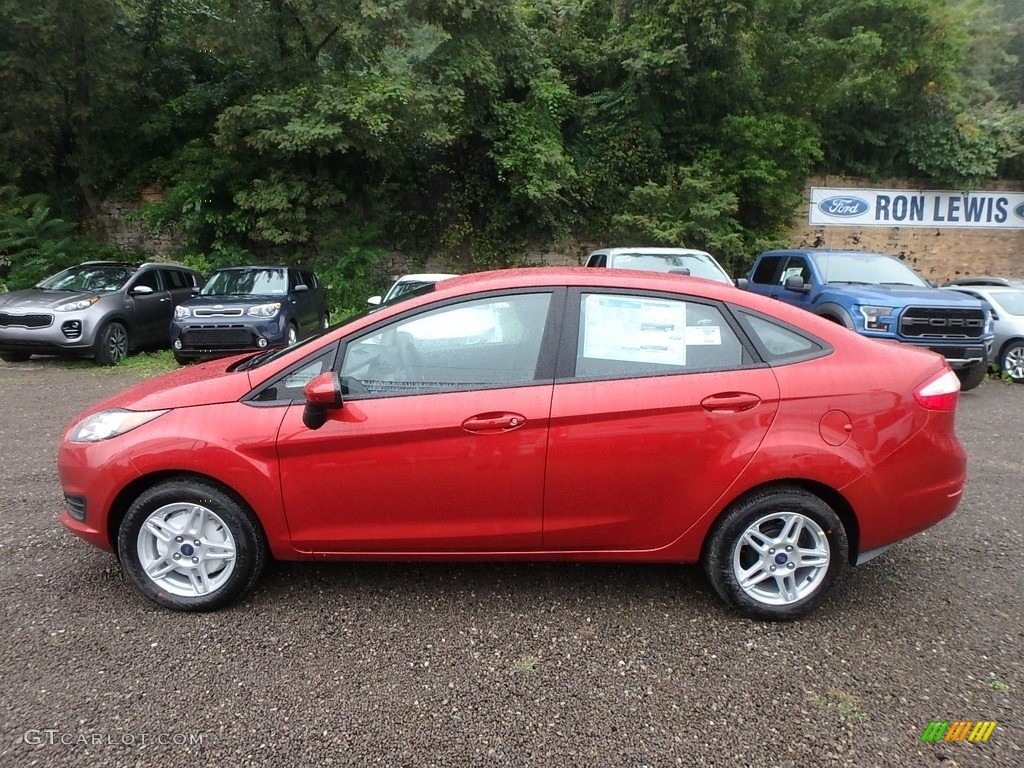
(111, 344)
(973, 376)
(1012, 361)
(189, 545)
(15, 357)
(325, 322)
(777, 554)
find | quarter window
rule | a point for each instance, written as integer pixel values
(492, 342)
(627, 336)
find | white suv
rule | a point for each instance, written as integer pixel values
(686, 261)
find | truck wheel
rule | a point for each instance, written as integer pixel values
(973, 376)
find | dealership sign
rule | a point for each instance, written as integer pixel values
(916, 208)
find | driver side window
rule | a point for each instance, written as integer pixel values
(491, 342)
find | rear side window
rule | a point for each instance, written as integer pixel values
(625, 336)
(767, 269)
(174, 279)
(781, 343)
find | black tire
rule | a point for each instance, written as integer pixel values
(181, 359)
(111, 344)
(815, 568)
(291, 335)
(15, 357)
(160, 531)
(1011, 361)
(973, 376)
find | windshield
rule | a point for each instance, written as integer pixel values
(866, 269)
(699, 264)
(247, 282)
(1011, 301)
(89, 277)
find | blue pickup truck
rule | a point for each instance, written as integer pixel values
(881, 297)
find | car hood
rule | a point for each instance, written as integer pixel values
(247, 300)
(905, 294)
(203, 384)
(33, 298)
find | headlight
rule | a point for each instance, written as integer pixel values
(180, 312)
(265, 310)
(873, 318)
(72, 306)
(107, 424)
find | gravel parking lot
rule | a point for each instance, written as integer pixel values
(495, 665)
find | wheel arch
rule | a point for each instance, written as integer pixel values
(826, 493)
(1007, 344)
(123, 501)
(836, 313)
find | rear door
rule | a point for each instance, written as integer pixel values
(658, 406)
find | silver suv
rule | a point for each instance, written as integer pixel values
(99, 309)
(1005, 299)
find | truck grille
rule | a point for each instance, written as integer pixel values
(25, 321)
(221, 337)
(942, 323)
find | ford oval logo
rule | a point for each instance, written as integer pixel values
(844, 206)
(1019, 211)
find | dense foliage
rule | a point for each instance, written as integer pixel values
(332, 132)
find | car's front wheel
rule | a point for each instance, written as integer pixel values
(15, 357)
(973, 376)
(777, 554)
(293, 334)
(189, 545)
(111, 344)
(1012, 361)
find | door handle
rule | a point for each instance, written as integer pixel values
(730, 402)
(165, 299)
(493, 423)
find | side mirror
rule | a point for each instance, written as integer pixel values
(742, 283)
(195, 291)
(323, 394)
(374, 301)
(301, 288)
(141, 290)
(796, 283)
(679, 271)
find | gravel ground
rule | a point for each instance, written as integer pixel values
(504, 665)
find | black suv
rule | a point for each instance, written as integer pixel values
(99, 309)
(248, 308)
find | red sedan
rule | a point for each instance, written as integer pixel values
(537, 414)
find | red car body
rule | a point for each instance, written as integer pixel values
(568, 467)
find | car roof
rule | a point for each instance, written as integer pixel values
(980, 282)
(651, 249)
(425, 277)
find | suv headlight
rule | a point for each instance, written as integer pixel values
(107, 424)
(73, 306)
(876, 318)
(180, 312)
(265, 310)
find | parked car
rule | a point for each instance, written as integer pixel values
(98, 309)
(406, 285)
(1007, 310)
(247, 308)
(687, 261)
(880, 297)
(534, 414)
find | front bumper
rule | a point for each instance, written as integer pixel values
(194, 338)
(46, 332)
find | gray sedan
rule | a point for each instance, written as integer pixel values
(1006, 304)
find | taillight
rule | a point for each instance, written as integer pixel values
(940, 393)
